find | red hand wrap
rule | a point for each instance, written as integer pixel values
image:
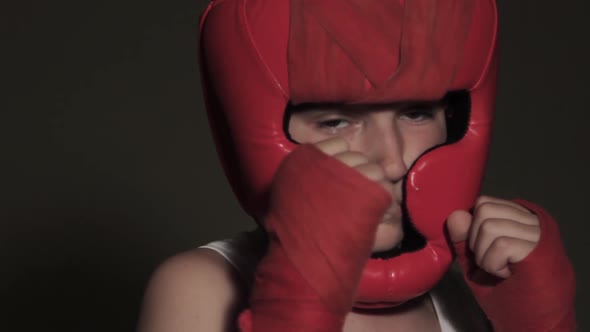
(539, 295)
(321, 226)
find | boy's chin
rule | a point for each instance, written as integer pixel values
(388, 236)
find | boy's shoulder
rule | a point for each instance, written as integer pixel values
(197, 289)
(194, 267)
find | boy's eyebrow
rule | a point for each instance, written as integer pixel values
(313, 113)
(358, 108)
(432, 104)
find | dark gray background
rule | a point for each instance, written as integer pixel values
(107, 165)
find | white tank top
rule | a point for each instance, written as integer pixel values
(456, 309)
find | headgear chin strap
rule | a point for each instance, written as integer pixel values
(257, 56)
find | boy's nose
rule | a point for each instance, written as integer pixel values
(386, 146)
(394, 167)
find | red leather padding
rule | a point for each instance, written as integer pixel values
(247, 49)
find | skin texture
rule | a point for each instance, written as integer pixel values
(200, 291)
(379, 142)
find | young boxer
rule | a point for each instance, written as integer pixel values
(355, 132)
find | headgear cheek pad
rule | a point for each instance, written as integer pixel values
(258, 56)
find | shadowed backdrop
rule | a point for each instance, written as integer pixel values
(107, 165)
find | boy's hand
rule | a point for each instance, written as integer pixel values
(340, 150)
(499, 233)
(321, 221)
(539, 295)
(389, 232)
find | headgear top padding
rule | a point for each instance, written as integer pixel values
(259, 55)
(370, 60)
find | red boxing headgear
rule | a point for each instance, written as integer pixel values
(259, 55)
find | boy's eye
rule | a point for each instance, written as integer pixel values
(333, 123)
(418, 113)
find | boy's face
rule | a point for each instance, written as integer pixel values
(393, 136)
